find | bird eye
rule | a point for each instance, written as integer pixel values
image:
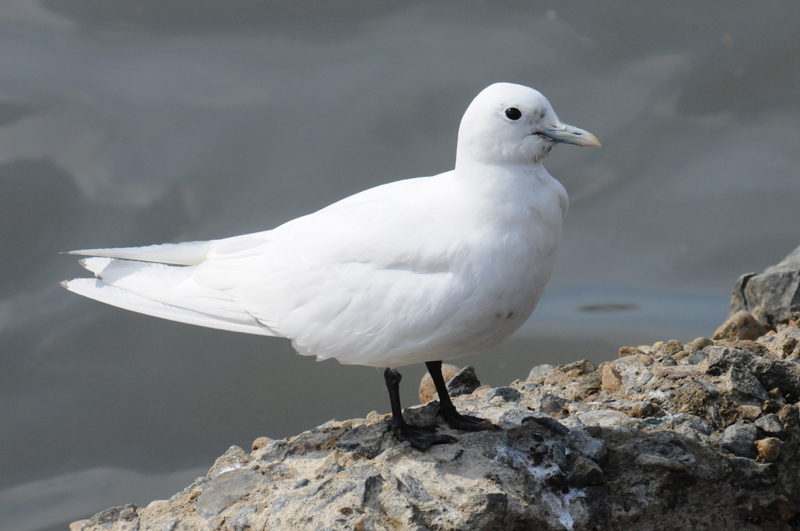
(513, 113)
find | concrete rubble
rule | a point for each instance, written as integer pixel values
(702, 435)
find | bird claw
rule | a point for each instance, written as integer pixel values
(457, 421)
(421, 437)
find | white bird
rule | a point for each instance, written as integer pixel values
(424, 269)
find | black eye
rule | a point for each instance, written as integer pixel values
(513, 113)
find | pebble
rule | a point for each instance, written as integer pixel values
(770, 424)
(628, 351)
(695, 357)
(584, 472)
(634, 359)
(699, 344)
(740, 325)
(261, 442)
(611, 378)
(602, 417)
(540, 370)
(769, 449)
(648, 460)
(750, 413)
(642, 410)
(586, 445)
(739, 439)
(426, 388)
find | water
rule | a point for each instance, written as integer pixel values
(148, 122)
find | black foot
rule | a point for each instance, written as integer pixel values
(457, 421)
(421, 437)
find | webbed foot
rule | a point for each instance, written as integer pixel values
(421, 437)
(457, 421)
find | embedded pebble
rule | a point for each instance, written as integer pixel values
(769, 449)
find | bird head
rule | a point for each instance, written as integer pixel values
(513, 124)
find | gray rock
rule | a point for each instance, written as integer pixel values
(225, 490)
(242, 518)
(507, 394)
(770, 424)
(696, 357)
(594, 449)
(464, 382)
(583, 472)
(694, 422)
(647, 460)
(744, 385)
(550, 404)
(614, 471)
(720, 358)
(124, 513)
(739, 439)
(772, 295)
(540, 370)
(700, 343)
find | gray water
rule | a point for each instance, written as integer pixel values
(132, 123)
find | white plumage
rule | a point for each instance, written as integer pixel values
(417, 270)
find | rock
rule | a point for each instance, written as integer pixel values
(670, 448)
(740, 325)
(750, 413)
(696, 357)
(628, 351)
(611, 378)
(647, 460)
(243, 517)
(769, 449)
(602, 417)
(699, 344)
(771, 424)
(670, 348)
(427, 391)
(744, 385)
(505, 394)
(225, 490)
(463, 383)
(642, 410)
(739, 439)
(104, 519)
(583, 472)
(635, 359)
(578, 368)
(773, 295)
(261, 442)
(551, 404)
(76, 526)
(587, 446)
(540, 370)
(233, 459)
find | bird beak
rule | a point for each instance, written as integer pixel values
(572, 135)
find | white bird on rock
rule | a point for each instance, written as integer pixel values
(424, 269)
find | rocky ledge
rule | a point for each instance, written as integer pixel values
(667, 436)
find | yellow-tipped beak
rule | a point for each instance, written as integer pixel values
(572, 135)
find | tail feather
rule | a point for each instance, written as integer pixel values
(97, 290)
(189, 253)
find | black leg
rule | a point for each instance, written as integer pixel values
(421, 437)
(448, 411)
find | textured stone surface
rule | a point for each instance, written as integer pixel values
(771, 296)
(740, 325)
(704, 436)
(739, 439)
(681, 445)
